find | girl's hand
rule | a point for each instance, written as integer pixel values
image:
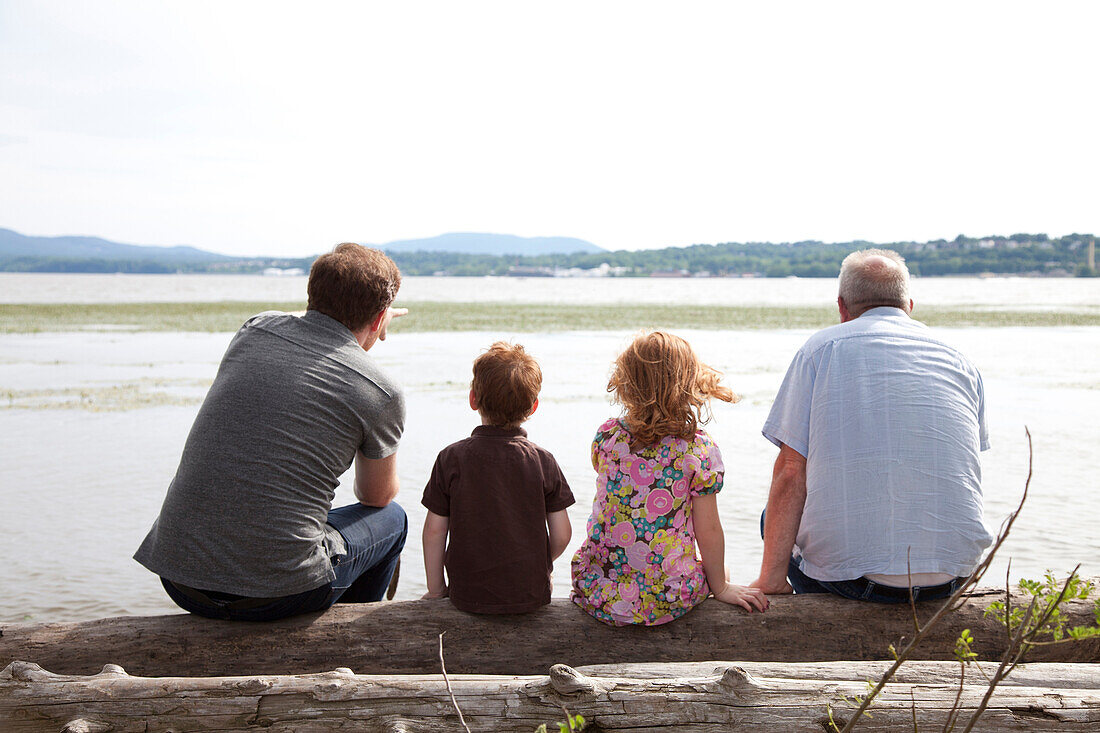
(744, 596)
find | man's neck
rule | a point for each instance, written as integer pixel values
(872, 306)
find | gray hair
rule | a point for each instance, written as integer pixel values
(866, 281)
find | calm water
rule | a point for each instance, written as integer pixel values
(92, 424)
(1002, 293)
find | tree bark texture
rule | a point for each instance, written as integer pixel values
(402, 638)
(689, 697)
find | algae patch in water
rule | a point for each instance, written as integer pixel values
(130, 395)
(432, 316)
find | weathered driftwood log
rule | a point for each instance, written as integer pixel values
(402, 638)
(700, 697)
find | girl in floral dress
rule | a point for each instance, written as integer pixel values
(658, 476)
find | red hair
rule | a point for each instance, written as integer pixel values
(664, 388)
(506, 384)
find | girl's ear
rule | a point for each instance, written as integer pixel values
(534, 407)
(473, 400)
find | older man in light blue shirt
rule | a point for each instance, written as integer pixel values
(877, 487)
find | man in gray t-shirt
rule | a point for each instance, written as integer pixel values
(246, 530)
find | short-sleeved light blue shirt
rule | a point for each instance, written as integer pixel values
(891, 422)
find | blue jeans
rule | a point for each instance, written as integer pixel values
(862, 589)
(374, 537)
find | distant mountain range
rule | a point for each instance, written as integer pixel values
(502, 254)
(16, 246)
(13, 244)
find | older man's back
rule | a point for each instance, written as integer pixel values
(890, 421)
(878, 480)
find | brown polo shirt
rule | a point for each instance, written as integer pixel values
(497, 487)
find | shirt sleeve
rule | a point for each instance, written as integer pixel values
(558, 495)
(437, 497)
(710, 475)
(382, 435)
(788, 422)
(983, 429)
(602, 434)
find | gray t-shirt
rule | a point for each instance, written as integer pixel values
(293, 400)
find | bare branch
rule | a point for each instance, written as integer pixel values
(443, 668)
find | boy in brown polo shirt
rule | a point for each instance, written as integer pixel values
(496, 501)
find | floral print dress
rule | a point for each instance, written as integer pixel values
(637, 564)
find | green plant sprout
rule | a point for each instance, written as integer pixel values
(572, 724)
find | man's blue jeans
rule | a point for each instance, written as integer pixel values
(862, 589)
(374, 537)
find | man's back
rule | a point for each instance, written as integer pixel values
(293, 400)
(890, 421)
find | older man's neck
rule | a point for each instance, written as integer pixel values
(851, 313)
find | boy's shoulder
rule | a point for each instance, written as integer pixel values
(491, 439)
(484, 437)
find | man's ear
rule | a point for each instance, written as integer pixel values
(910, 307)
(845, 315)
(473, 400)
(376, 322)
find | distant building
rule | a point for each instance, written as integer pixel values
(527, 271)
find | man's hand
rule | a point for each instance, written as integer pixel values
(391, 313)
(775, 589)
(441, 593)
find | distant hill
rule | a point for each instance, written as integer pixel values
(13, 244)
(503, 254)
(494, 244)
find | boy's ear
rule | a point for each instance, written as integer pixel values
(473, 400)
(534, 407)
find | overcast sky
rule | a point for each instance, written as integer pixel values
(272, 128)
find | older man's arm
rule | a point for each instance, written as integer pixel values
(786, 500)
(376, 481)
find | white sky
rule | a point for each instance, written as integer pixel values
(279, 128)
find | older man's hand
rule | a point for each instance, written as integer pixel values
(772, 588)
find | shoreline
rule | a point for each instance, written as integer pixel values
(437, 316)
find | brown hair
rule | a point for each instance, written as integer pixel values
(506, 384)
(664, 388)
(352, 284)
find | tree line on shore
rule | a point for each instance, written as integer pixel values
(1018, 254)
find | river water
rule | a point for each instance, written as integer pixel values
(92, 423)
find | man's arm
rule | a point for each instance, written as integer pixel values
(435, 548)
(560, 532)
(376, 481)
(786, 500)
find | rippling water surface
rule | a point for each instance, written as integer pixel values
(92, 424)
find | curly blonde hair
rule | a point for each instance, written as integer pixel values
(664, 388)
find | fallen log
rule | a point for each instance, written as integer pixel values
(700, 697)
(402, 638)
